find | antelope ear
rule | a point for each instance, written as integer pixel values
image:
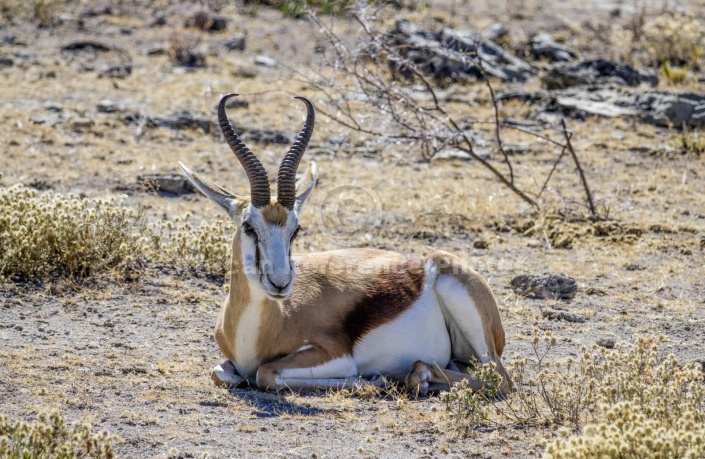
(228, 202)
(305, 186)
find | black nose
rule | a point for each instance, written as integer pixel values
(275, 285)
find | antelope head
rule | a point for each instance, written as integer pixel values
(267, 226)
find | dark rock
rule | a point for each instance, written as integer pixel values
(6, 61)
(190, 58)
(156, 51)
(543, 46)
(9, 39)
(496, 32)
(185, 120)
(267, 136)
(655, 107)
(552, 314)
(554, 286)
(118, 71)
(159, 21)
(452, 55)
(594, 72)
(169, 183)
(206, 21)
(107, 106)
(53, 107)
(89, 13)
(86, 45)
(480, 244)
(236, 43)
(607, 343)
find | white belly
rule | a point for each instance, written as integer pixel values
(419, 333)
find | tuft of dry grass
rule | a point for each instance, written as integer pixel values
(50, 437)
(46, 235)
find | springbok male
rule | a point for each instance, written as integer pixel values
(322, 320)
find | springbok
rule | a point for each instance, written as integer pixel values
(332, 319)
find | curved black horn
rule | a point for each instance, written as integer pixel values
(259, 183)
(286, 181)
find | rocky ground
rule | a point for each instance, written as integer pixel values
(99, 97)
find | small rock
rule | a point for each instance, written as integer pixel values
(702, 241)
(54, 311)
(79, 124)
(451, 154)
(237, 103)
(496, 32)
(190, 59)
(6, 61)
(554, 286)
(170, 183)
(236, 43)
(265, 61)
(9, 39)
(480, 244)
(53, 107)
(156, 51)
(244, 72)
(86, 45)
(207, 22)
(607, 343)
(552, 314)
(107, 106)
(159, 20)
(118, 72)
(543, 46)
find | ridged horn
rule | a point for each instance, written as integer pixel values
(259, 183)
(286, 181)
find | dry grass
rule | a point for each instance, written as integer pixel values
(51, 438)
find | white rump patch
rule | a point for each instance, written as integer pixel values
(463, 319)
(419, 333)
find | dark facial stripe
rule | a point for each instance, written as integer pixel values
(395, 292)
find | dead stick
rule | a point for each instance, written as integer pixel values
(580, 169)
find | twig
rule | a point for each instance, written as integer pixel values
(543, 188)
(497, 124)
(568, 135)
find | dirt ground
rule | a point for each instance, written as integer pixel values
(135, 358)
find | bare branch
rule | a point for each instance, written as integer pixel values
(588, 195)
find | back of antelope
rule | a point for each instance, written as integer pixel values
(344, 317)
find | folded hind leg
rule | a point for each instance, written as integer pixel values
(423, 376)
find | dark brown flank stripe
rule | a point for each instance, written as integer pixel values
(395, 292)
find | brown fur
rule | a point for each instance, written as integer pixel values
(275, 214)
(393, 293)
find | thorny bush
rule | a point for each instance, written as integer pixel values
(51, 438)
(49, 235)
(635, 381)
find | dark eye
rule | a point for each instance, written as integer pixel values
(249, 230)
(296, 233)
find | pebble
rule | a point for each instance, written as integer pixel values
(265, 61)
(107, 106)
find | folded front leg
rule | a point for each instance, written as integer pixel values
(226, 375)
(311, 368)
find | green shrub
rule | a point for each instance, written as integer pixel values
(51, 438)
(47, 235)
